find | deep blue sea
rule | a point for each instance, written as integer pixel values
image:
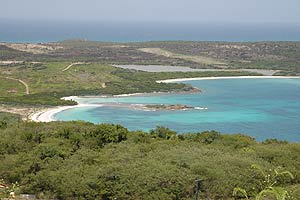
(262, 108)
(49, 31)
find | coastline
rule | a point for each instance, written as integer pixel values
(47, 115)
(223, 77)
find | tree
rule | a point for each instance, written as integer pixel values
(163, 132)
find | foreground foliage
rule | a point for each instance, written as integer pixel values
(78, 160)
(268, 185)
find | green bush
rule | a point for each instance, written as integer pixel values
(79, 160)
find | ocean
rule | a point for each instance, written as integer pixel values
(261, 108)
(48, 31)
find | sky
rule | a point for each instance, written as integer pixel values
(204, 11)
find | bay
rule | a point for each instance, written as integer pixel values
(261, 108)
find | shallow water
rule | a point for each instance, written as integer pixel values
(261, 108)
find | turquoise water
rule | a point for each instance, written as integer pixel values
(261, 108)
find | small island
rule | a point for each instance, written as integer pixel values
(149, 107)
(168, 107)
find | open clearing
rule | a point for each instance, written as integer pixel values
(198, 59)
(32, 48)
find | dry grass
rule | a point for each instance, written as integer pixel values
(198, 59)
(33, 48)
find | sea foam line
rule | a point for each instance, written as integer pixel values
(48, 114)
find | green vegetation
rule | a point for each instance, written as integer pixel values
(283, 56)
(41, 66)
(78, 160)
(268, 185)
(168, 107)
(262, 55)
(11, 88)
(154, 76)
(8, 118)
(48, 82)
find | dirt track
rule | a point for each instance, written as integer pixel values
(23, 82)
(69, 66)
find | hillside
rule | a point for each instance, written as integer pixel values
(40, 74)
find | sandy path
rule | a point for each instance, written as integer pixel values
(69, 66)
(22, 82)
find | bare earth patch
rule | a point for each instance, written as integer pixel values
(25, 112)
(33, 48)
(198, 59)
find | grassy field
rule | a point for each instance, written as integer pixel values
(49, 81)
(10, 87)
(51, 78)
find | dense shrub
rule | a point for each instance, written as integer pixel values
(79, 160)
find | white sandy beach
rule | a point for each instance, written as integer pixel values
(222, 77)
(48, 114)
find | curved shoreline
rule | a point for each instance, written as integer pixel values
(48, 114)
(225, 77)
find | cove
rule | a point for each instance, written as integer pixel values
(261, 108)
